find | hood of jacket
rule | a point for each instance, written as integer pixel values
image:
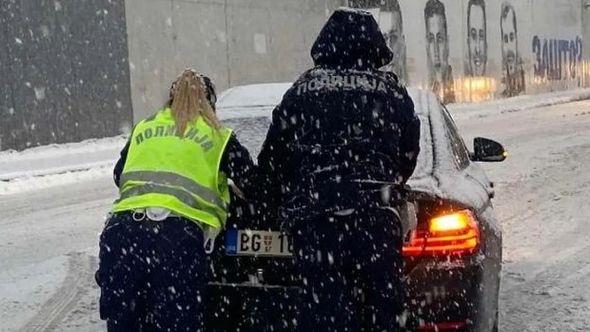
(351, 39)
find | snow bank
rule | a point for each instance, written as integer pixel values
(515, 104)
(37, 172)
(57, 164)
(60, 158)
(32, 183)
(96, 145)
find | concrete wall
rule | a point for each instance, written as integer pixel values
(233, 41)
(525, 46)
(64, 74)
(252, 41)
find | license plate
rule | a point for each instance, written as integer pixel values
(258, 243)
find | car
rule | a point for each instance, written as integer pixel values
(452, 250)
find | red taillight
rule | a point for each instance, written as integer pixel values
(456, 233)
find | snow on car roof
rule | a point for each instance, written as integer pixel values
(251, 100)
(260, 99)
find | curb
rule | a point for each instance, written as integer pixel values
(54, 171)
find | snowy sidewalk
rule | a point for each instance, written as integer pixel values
(54, 164)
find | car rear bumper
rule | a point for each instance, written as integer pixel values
(436, 302)
(446, 295)
(247, 307)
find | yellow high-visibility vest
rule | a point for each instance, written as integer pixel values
(181, 174)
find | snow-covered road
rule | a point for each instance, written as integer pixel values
(48, 243)
(543, 191)
(48, 237)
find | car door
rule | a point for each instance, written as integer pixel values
(462, 158)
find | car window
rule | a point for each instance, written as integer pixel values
(251, 132)
(458, 147)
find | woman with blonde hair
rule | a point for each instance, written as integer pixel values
(174, 197)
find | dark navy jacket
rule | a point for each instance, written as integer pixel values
(345, 132)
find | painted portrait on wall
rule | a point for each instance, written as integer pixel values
(477, 42)
(389, 16)
(513, 73)
(437, 49)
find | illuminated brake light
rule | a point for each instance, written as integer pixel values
(455, 233)
(449, 223)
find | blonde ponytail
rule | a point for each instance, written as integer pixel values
(189, 101)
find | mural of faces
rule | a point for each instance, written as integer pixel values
(509, 38)
(437, 49)
(389, 16)
(511, 62)
(477, 38)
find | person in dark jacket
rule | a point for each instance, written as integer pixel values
(174, 198)
(342, 144)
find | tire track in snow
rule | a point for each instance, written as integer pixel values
(542, 196)
(76, 284)
(544, 289)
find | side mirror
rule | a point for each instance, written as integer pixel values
(487, 150)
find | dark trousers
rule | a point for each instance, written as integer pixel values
(351, 267)
(152, 275)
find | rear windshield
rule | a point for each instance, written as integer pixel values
(251, 133)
